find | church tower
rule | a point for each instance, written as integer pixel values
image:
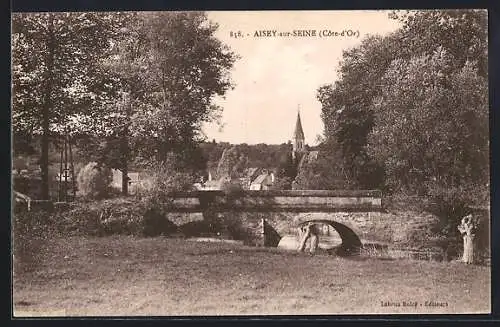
(298, 140)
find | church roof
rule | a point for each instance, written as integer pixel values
(299, 133)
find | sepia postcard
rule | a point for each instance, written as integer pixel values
(250, 163)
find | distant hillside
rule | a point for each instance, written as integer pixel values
(266, 156)
(321, 169)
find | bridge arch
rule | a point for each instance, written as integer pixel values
(351, 243)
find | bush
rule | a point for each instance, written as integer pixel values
(232, 190)
(234, 226)
(155, 223)
(402, 202)
(168, 177)
(119, 224)
(78, 220)
(99, 218)
(227, 225)
(283, 183)
(198, 229)
(450, 205)
(94, 181)
(232, 223)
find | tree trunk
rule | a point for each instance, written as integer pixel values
(125, 178)
(44, 159)
(124, 144)
(124, 158)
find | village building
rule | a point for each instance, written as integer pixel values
(253, 172)
(211, 185)
(249, 176)
(256, 178)
(134, 181)
(262, 182)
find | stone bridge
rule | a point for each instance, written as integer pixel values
(270, 215)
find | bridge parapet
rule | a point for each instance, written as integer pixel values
(268, 201)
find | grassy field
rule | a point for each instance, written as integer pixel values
(158, 276)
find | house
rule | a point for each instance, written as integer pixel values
(262, 182)
(250, 174)
(211, 184)
(133, 180)
(208, 186)
(117, 179)
(313, 156)
(244, 182)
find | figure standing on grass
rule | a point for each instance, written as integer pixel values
(307, 232)
(468, 229)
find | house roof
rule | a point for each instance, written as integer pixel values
(253, 172)
(260, 179)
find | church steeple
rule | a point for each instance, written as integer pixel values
(298, 136)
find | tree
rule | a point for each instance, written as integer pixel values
(55, 71)
(325, 173)
(282, 183)
(184, 67)
(139, 81)
(287, 166)
(232, 163)
(353, 107)
(126, 63)
(114, 150)
(347, 105)
(432, 124)
(462, 33)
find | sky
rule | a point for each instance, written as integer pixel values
(275, 76)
